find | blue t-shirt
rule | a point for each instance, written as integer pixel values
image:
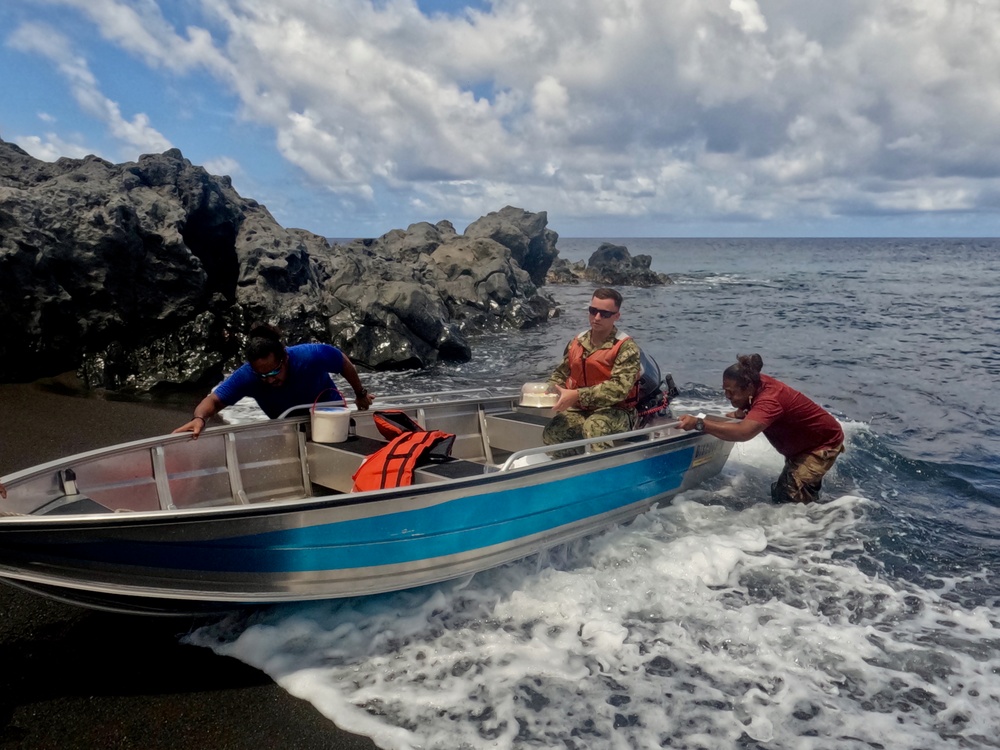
(309, 368)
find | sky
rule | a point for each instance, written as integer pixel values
(619, 118)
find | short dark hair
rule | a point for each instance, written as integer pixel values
(264, 340)
(746, 371)
(605, 292)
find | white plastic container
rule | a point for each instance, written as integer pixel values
(538, 395)
(330, 424)
(530, 460)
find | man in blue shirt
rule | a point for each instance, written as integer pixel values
(279, 377)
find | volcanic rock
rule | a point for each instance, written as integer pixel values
(149, 273)
(532, 246)
(610, 265)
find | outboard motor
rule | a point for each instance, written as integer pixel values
(655, 391)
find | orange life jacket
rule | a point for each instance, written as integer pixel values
(593, 369)
(393, 465)
(392, 423)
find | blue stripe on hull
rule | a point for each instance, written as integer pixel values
(457, 526)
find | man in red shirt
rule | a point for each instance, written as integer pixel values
(803, 432)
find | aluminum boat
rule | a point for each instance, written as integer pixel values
(261, 513)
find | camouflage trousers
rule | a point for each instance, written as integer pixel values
(802, 478)
(576, 425)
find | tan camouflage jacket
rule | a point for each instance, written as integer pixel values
(613, 390)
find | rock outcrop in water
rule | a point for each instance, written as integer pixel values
(610, 265)
(149, 272)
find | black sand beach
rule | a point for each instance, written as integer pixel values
(76, 678)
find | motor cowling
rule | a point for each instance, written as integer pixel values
(656, 391)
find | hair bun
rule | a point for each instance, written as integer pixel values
(751, 365)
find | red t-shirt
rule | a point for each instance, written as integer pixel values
(792, 423)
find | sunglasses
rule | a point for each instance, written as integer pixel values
(274, 373)
(603, 313)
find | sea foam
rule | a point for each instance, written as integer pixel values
(716, 619)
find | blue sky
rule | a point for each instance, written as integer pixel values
(619, 118)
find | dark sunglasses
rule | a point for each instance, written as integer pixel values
(274, 373)
(603, 313)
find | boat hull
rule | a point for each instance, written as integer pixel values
(343, 544)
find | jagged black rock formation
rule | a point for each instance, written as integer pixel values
(610, 265)
(532, 246)
(149, 273)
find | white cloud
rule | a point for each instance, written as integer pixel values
(43, 40)
(223, 165)
(550, 100)
(51, 147)
(720, 108)
(139, 27)
(751, 19)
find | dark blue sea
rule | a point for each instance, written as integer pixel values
(868, 620)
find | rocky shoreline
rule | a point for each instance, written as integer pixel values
(145, 275)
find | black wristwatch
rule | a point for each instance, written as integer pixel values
(699, 425)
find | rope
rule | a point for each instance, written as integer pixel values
(658, 405)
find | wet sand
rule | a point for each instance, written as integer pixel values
(75, 678)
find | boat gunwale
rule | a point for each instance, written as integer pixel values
(475, 399)
(150, 442)
(531, 472)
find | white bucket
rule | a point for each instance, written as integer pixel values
(330, 424)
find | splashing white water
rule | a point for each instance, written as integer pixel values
(712, 620)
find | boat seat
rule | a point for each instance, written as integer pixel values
(448, 468)
(527, 417)
(515, 430)
(332, 465)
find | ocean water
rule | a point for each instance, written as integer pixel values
(868, 620)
